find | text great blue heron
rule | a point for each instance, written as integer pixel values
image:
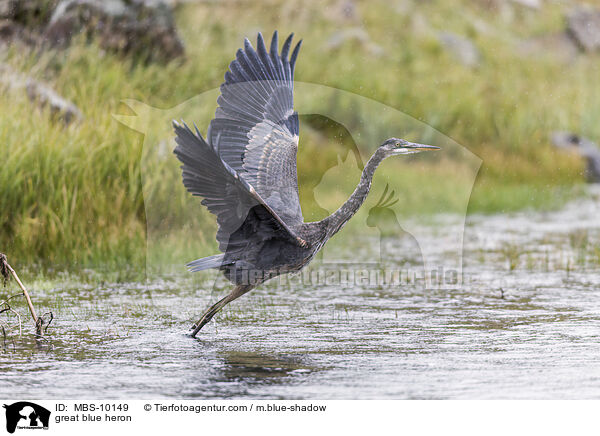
(245, 170)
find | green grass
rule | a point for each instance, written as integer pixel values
(74, 196)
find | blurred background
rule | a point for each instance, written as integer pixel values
(92, 204)
(514, 82)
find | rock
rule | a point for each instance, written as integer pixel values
(343, 11)
(141, 28)
(21, 20)
(346, 10)
(11, 32)
(46, 96)
(505, 7)
(462, 49)
(583, 24)
(532, 4)
(28, 13)
(558, 46)
(41, 94)
(7, 8)
(353, 34)
(586, 148)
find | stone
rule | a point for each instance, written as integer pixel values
(356, 35)
(44, 96)
(11, 32)
(461, 48)
(557, 46)
(140, 28)
(342, 11)
(28, 13)
(41, 94)
(583, 24)
(532, 4)
(8, 8)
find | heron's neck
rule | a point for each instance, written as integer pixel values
(340, 217)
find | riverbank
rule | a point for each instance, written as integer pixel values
(74, 196)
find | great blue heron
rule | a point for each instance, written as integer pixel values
(245, 170)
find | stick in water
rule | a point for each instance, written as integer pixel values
(5, 268)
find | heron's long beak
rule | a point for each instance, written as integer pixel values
(416, 146)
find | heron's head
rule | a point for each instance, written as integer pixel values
(399, 146)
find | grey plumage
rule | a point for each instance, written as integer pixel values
(245, 171)
(209, 262)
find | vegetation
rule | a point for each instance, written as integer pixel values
(74, 195)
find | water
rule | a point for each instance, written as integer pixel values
(526, 324)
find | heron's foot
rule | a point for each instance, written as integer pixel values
(215, 308)
(200, 323)
(207, 316)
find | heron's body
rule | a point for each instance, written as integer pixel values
(269, 258)
(245, 171)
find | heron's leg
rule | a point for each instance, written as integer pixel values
(237, 292)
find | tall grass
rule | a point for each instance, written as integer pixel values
(73, 195)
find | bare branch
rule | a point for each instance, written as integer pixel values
(4, 267)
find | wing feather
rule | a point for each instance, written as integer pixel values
(232, 199)
(257, 125)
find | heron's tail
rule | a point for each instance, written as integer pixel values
(215, 261)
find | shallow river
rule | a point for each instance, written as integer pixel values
(525, 324)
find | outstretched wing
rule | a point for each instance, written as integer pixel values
(257, 126)
(240, 210)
